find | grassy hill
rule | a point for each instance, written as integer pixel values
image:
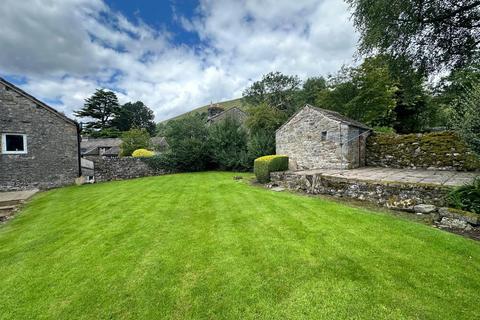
(224, 104)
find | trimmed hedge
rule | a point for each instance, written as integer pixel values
(143, 153)
(264, 165)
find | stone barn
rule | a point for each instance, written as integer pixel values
(315, 138)
(40, 147)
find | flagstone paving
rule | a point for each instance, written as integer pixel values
(445, 178)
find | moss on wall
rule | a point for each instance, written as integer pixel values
(442, 150)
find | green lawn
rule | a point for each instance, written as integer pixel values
(204, 246)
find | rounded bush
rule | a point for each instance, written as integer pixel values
(143, 153)
(264, 165)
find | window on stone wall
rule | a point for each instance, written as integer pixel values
(324, 135)
(14, 143)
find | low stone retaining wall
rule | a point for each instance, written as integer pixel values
(114, 168)
(436, 150)
(393, 195)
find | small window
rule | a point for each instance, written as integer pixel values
(13, 143)
(324, 135)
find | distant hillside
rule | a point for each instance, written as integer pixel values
(225, 104)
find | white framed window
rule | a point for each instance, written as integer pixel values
(14, 143)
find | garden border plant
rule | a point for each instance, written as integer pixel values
(264, 165)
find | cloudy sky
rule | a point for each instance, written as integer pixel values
(174, 55)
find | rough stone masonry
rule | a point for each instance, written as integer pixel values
(52, 157)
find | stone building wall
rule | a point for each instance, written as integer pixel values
(52, 158)
(438, 150)
(301, 140)
(392, 195)
(115, 168)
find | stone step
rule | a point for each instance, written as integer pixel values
(5, 214)
(13, 198)
(10, 202)
(7, 208)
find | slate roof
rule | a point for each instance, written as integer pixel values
(13, 87)
(340, 117)
(112, 152)
(89, 146)
(332, 115)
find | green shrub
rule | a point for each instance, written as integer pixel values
(384, 129)
(228, 145)
(134, 139)
(261, 142)
(142, 153)
(466, 197)
(264, 165)
(188, 146)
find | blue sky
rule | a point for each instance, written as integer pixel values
(174, 55)
(161, 15)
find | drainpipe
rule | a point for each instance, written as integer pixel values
(79, 150)
(341, 147)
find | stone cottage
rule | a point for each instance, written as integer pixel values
(315, 138)
(40, 147)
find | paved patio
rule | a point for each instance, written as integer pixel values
(16, 196)
(444, 178)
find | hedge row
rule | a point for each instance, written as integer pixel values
(264, 165)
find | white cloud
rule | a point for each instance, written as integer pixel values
(66, 49)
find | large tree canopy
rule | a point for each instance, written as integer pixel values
(101, 108)
(275, 89)
(135, 115)
(435, 34)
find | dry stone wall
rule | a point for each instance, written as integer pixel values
(114, 168)
(404, 196)
(438, 150)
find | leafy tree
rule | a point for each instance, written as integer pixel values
(262, 123)
(465, 118)
(275, 89)
(261, 143)
(311, 88)
(366, 93)
(135, 115)
(375, 101)
(188, 145)
(413, 108)
(101, 107)
(161, 128)
(104, 133)
(265, 117)
(340, 91)
(434, 34)
(228, 145)
(449, 89)
(134, 139)
(383, 91)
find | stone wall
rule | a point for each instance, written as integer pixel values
(52, 158)
(438, 150)
(392, 195)
(301, 140)
(114, 168)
